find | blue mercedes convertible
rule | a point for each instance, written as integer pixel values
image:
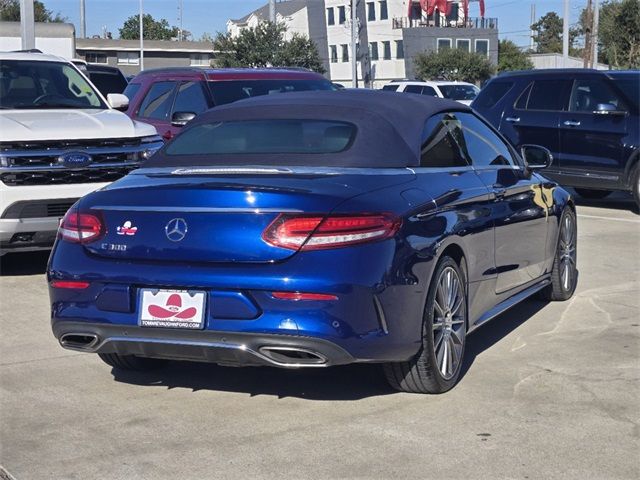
(314, 229)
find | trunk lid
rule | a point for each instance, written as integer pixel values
(218, 215)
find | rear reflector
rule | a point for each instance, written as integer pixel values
(80, 227)
(315, 232)
(69, 284)
(296, 296)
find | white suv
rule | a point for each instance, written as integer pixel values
(59, 140)
(460, 91)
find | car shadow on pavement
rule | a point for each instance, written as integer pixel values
(27, 263)
(615, 201)
(350, 382)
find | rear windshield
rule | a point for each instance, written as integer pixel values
(264, 137)
(232, 90)
(459, 92)
(108, 82)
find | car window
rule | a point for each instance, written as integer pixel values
(228, 91)
(547, 95)
(131, 90)
(429, 91)
(108, 82)
(413, 89)
(481, 145)
(157, 102)
(440, 143)
(263, 137)
(190, 98)
(630, 86)
(459, 92)
(588, 94)
(391, 88)
(492, 94)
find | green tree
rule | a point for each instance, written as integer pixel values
(549, 34)
(10, 12)
(453, 64)
(510, 57)
(153, 30)
(619, 33)
(266, 46)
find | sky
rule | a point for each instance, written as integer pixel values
(210, 16)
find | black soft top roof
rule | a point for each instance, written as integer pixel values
(389, 127)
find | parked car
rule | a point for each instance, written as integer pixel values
(59, 139)
(107, 79)
(168, 98)
(588, 119)
(460, 91)
(310, 230)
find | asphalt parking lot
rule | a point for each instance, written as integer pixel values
(548, 391)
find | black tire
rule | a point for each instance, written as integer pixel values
(635, 185)
(592, 194)
(563, 287)
(131, 362)
(423, 373)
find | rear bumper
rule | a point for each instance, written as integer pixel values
(225, 348)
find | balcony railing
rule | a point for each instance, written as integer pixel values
(471, 22)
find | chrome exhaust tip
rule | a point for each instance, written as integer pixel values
(292, 356)
(79, 341)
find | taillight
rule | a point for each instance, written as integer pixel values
(314, 232)
(80, 227)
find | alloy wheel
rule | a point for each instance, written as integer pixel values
(567, 252)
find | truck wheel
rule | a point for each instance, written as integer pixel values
(131, 362)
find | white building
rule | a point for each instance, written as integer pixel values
(395, 30)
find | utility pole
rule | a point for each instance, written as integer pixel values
(83, 21)
(565, 31)
(532, 45)
(596, 25)
(354, 43)
(27, 25)
(588, 54)
(180, 7)
(140, 15)
(272, 11)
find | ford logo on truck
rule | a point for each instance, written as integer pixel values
(75, 159)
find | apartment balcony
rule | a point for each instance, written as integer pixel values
(471, 22)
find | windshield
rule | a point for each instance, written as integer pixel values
(29, 84)
(232, 90)
(264, 137)
(459, 92)
(630, 85)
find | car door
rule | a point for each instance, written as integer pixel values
(533, 118)
(155, 107)
(520, 209)
(591, 142)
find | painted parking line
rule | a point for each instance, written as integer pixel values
(614, 219)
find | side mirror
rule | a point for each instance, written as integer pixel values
(180, 119)
(118, 101)
(536, 157)
(608, 109)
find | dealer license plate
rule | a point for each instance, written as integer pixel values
(171, 308)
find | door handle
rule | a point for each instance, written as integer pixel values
(498, 192)
(513, 119)
(571, 123)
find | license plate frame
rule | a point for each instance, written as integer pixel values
(171, 308)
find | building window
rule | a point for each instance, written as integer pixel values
(342, 15)
(463, 44)
(333, 52)
(345, 53)
(373, 50)
(444, 43)
(384, 11)
(386, 50)
(94, 57)
(482, 47)
(331, 19)
(199, 60)
(399, 49)
(371, 12)
(128, 58)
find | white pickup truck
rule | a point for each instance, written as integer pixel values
(59, 140)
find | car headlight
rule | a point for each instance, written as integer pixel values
(152, 144)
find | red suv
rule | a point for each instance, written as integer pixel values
(169, 97)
